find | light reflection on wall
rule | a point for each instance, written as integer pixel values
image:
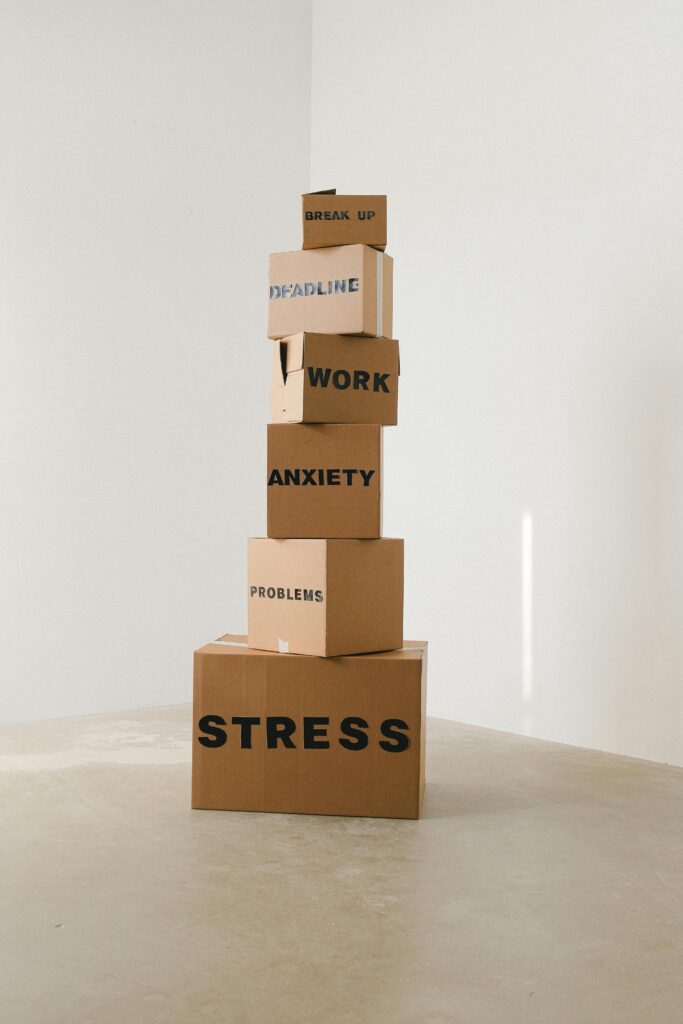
(527, 619)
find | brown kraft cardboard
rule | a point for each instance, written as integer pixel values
(332, 378)
(309, 735)
(324, 480)
(329, 219)
(345, 289)
(325, 597)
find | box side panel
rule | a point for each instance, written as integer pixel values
(365, 588)
(378, 294)
(287, 597)
(316, 290)
(307, 735)
(423, 727)
(324, 480)
(287, 401)
(387, 298)
(344, 220)
(351, 380)
(370, 278)
(381, 481)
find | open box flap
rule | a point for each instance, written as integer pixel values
(288, 356)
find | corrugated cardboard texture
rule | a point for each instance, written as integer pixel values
(332, 378)
(325, 597)
(346, 289)
(324, 480)
(354, 777)
(329, 219)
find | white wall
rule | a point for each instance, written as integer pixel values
(152, 155)
(533, 157)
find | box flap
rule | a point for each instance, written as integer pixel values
(321, 192)
(236, 643)
(288, 356)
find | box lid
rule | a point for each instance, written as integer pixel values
(236, 643)
(289, 355)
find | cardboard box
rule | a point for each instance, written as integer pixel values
(330, 378)
(324, 480)
(346, 289)
(309, 735)
(329, 219)
(325, 597)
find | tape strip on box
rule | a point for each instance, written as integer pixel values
(380, 294)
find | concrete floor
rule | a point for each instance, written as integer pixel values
(544, 884)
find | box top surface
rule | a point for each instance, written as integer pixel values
(329, 252)
(236, 643)
(344, 195)
(295, 348)
(321, 542)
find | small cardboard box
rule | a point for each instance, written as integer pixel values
(346, 289)
(329, 378)
(325, 597)
(324, 480)
(309, 735)
(329, 219)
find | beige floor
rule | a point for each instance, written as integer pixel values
(542, 885)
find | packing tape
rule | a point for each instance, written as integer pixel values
(380, 294)
(282, 646)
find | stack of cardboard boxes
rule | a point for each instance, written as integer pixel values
(321, 709)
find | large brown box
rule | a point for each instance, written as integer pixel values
(324, 480)
(346, 289)
(332, 378)
(325, 597)
(329, 219)
(309, 735)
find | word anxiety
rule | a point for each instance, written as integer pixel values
(318, 477)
